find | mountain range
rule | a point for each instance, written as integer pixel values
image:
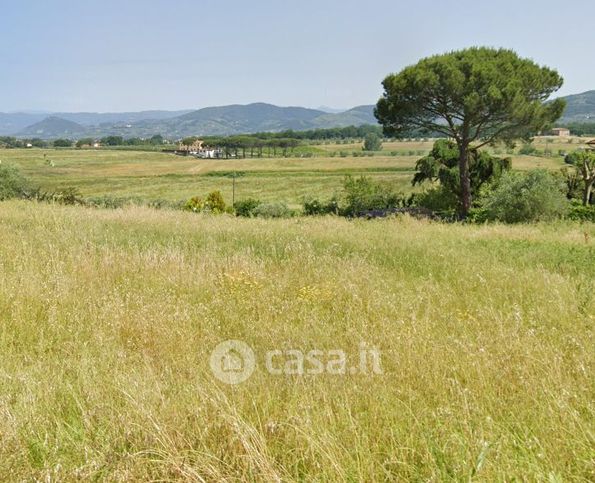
(223, 120)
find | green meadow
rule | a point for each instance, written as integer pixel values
(151, 175)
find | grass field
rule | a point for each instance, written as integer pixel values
(109, 318)
(154, 175)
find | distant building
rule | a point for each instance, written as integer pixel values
(560, 131)
(198, 149)
(193, 148)
(209, 153)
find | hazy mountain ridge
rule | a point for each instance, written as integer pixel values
(218, 120)
(54, 127)
(580, 107)
(14, 122)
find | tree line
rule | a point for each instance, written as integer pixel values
(255, 142)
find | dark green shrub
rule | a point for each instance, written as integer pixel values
(438, 199)
(316, 207)
(62, 143)
(580, 212)
(246, 207)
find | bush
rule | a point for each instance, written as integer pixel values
(215, 202)
(362, 194)
(195, 204)
(84, 142)
(527, 149)
(68, 196)
(580, 212)
(372, 142)
(246, 207)
(107, 202)
(12, 183)
(273, 210)
(62, 143)
(316, 207)
(438, 199)
(64, 196)
(534, 196)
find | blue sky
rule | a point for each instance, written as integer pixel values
(108, 55)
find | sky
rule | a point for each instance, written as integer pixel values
(131, 55)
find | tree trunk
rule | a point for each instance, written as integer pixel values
(587, 192)
(465, 180)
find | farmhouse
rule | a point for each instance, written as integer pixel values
(198, 149)
(560, 131)
(195, 147)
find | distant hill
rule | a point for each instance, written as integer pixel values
(214, 121)
(580, 107)
(353, 117)
(218, 121)
(236, 119)
(98, 118)
(13, 122)
(257, 117)
(53, 127)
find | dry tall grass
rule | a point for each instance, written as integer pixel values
(108, 318)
